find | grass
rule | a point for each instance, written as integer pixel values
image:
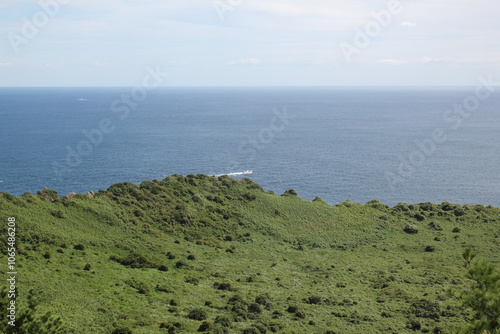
(241, 258)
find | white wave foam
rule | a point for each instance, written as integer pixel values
(236, 173)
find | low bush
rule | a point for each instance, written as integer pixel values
(197, 314)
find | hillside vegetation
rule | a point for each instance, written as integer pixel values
(200, 254)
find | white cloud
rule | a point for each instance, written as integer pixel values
(392, 61)
(246, 61)
(277, 34)
(408, 24)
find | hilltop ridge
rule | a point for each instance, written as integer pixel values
(211, 254)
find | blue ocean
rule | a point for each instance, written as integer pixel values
(392, 144)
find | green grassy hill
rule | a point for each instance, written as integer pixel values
(216, 255)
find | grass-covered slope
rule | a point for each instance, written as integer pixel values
(216, 255)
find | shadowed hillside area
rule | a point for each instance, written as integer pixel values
(196, 253)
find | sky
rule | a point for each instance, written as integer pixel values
(249, 42)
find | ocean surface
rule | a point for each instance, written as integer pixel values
(392, 144)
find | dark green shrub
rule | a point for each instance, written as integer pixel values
(411, 229)
(9, 197)
(261, 328)
(223, 321)
(143, 288)
(223, 286)
(122, 330)
(414, 325)
(205, 326)
(401, 207)
(445, 206)
(262, 300)
(479, 208)
(134, 260)
(58, 214)
(171, 327)
(426, 309)
(240, 312)
(419, 217)
(254, 308)
(79, 247)
(192, 280)
(237, 299)
(429, 248)
(289, 192)
(300, 314)
(180, 264)
(435, 226)
(163, 268)
(163, 288)
(314, 300)
(377, 205)
(275, 327)
(197, 314)
(215, 199)
(212, 328)
(427, 206)
(250, 197)
(87, 267)
(277, 314)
